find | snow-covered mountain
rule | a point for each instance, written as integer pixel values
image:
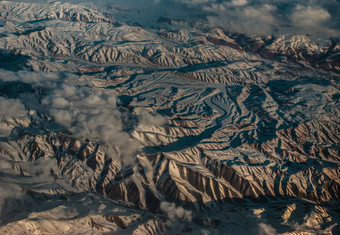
(112, 127)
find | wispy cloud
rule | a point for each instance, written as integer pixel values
(266, 229)
(10, 198)
(148, 118)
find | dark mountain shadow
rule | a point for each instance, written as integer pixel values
(228, 216)
(13, 89)
(11, 61)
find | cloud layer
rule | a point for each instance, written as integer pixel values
(315, 17)
(83, 110)
(320, 18)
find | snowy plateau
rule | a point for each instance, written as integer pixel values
(109, 126)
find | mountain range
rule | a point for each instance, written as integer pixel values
(109, 126)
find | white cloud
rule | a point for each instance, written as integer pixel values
(147, 118)
(239, 2)
(175, 213)
(90, 113)
(311, 19)
(309, 16)
(266, 229)
(11, 108)
(60, 102)
(28, 77)
(251, 19)
(62, 116)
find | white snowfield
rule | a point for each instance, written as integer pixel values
(106, 127)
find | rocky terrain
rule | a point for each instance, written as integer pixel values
(108, 127)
